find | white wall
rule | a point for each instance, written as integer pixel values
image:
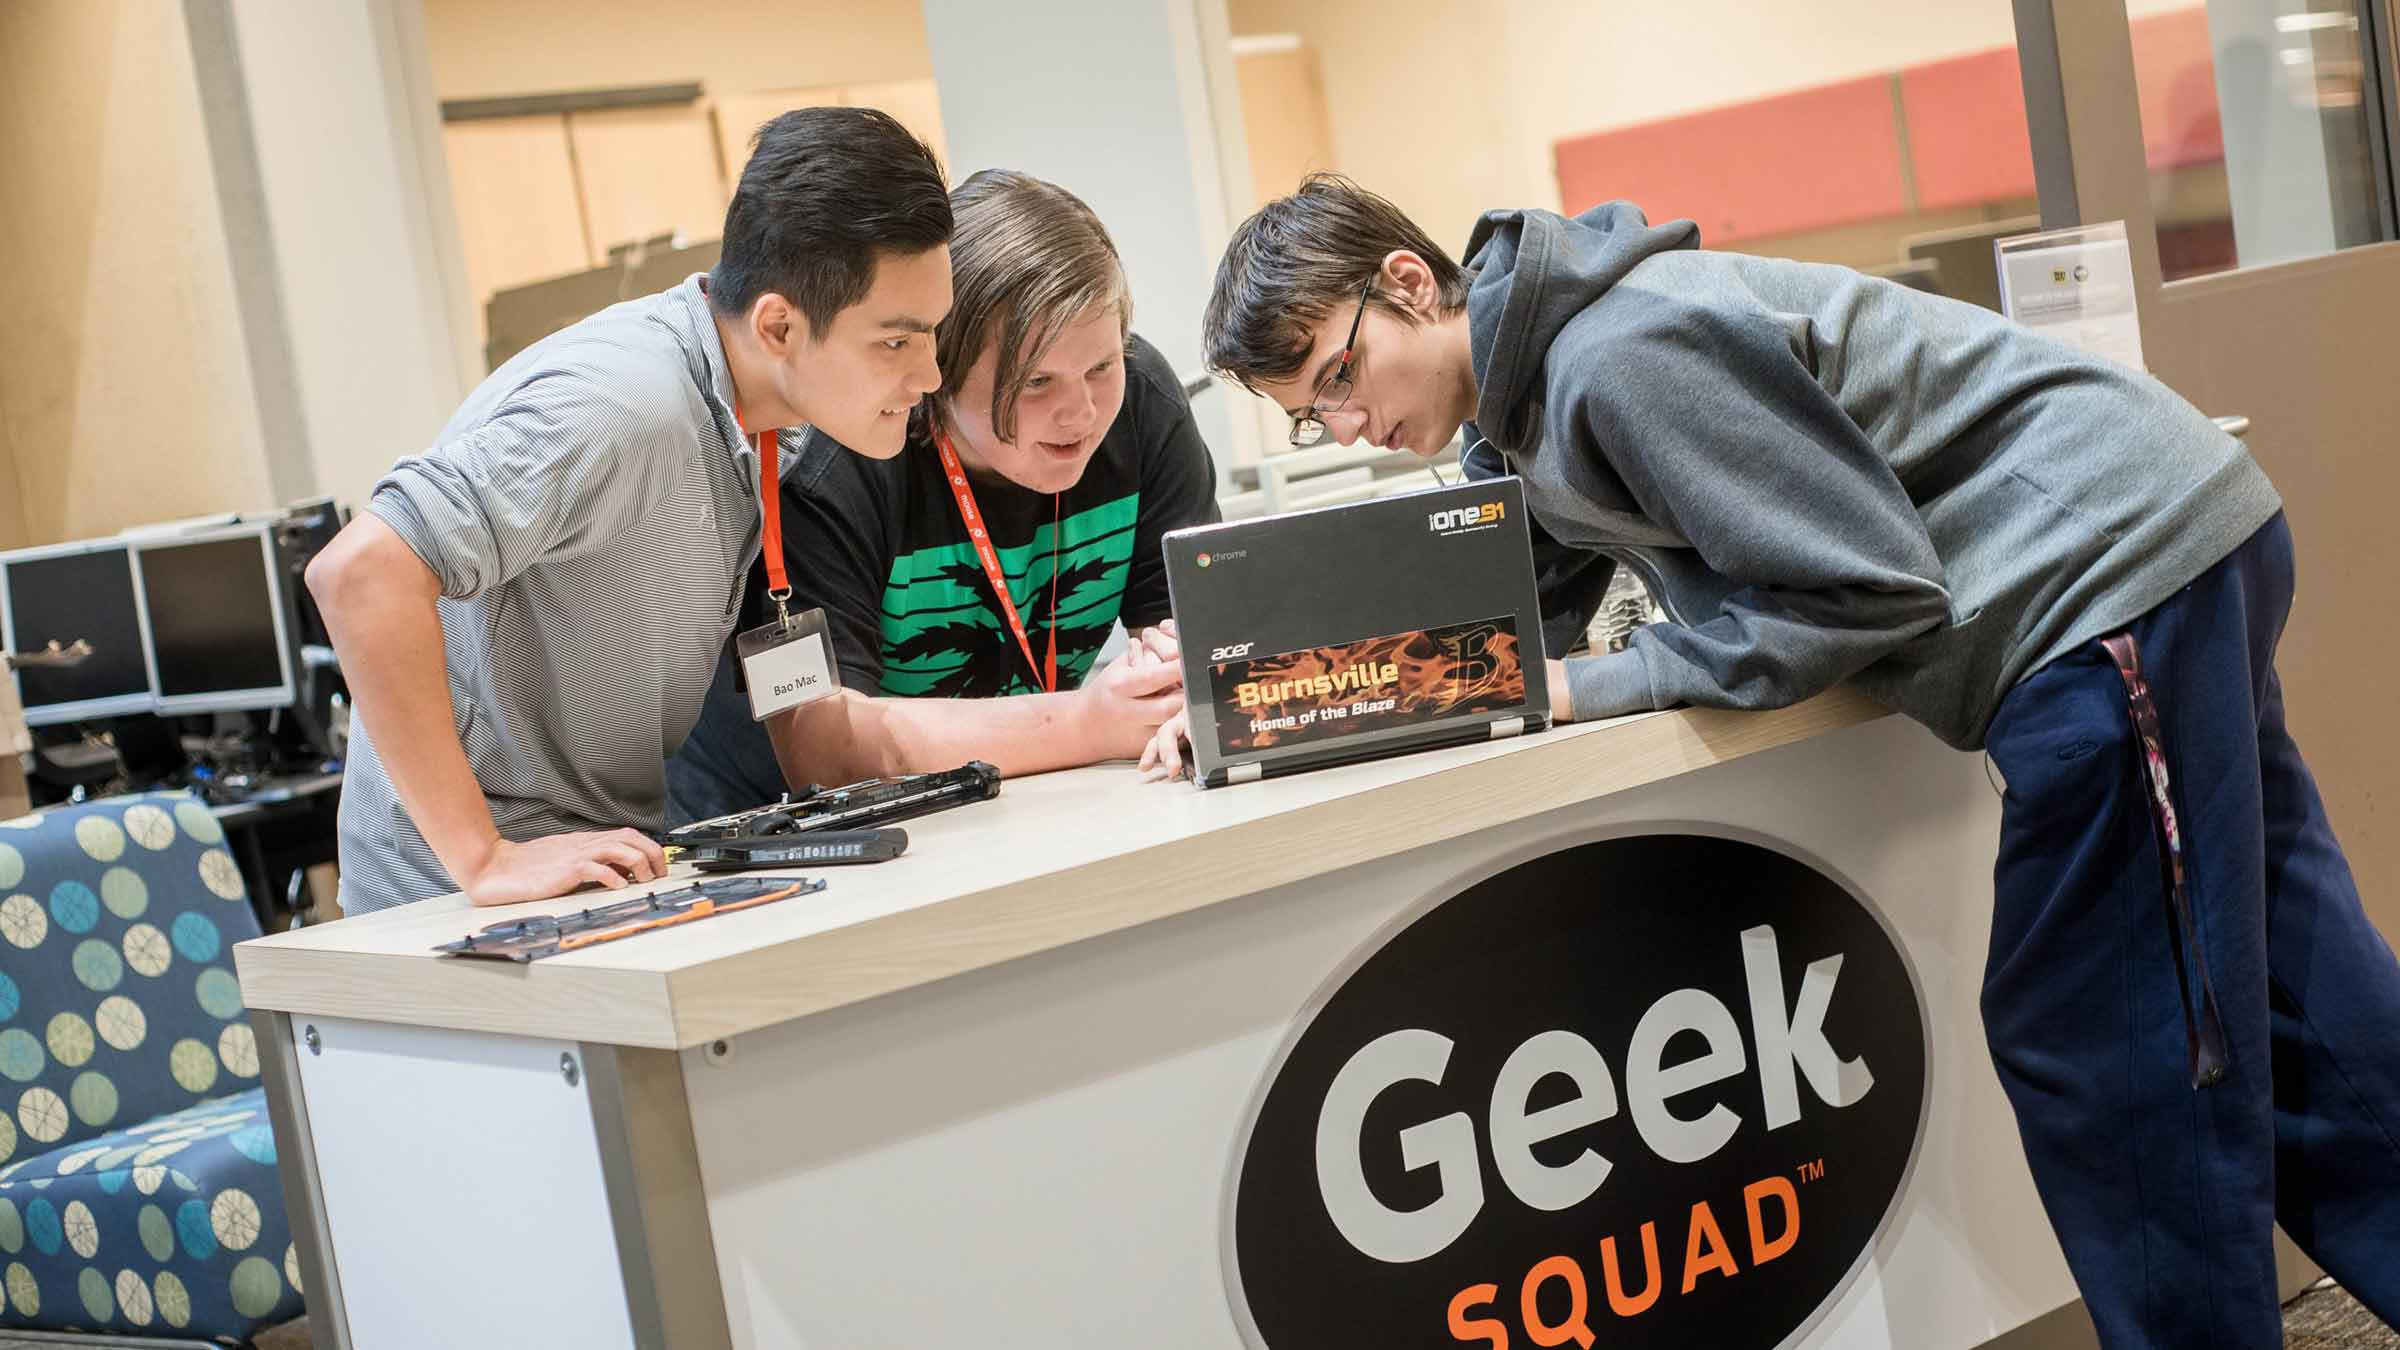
(125, 378)
(1589, 67)
(225, 261)
(483, 48)
(1128, 104)
(1412, 97)
(1576, 68)
(355, 200)
(1450, 109)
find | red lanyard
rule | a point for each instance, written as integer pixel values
(770, 505)
(770, 511)
(1045, 675)
(2205, 1056)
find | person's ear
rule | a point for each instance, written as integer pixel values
(777, 326)
(1407, 277)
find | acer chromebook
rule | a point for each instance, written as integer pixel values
(1353, 632)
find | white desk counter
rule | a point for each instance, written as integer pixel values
(1028, 1085)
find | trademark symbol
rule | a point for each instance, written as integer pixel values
(1812, 1171)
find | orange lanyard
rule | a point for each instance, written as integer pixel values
(1045, 675)
(770, 506)
(770, 512)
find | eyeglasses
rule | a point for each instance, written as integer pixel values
(1309, 427)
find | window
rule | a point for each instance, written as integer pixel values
(2262, 125)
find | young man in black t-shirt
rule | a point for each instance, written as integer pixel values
(1077, 455)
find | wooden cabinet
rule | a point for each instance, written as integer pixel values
(645, 172)
(520, 213)
(548, 194)
(912, 103)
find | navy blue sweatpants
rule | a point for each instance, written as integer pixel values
(2162, 1194)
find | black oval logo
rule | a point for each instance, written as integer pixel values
(1657, 1090)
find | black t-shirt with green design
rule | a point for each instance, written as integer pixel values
(879, 545)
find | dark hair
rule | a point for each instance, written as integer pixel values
(1029, 259)
(827, 191)
(1301, 258)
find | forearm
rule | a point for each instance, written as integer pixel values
(385, 630)
(853, 736)
(1752, 658)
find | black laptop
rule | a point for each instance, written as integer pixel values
(1358, 631)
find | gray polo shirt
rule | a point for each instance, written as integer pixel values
(591, 511)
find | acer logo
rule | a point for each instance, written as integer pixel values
(1233, 653)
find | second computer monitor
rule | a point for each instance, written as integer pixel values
(302, 533)
(214, 605)
(1962, 257)
(69, 593)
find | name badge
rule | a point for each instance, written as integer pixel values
(787, 664)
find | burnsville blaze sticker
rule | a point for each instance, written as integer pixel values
(1400, 679)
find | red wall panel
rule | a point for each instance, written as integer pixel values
(1966, 130)
(1799, 161)
(1831, 155)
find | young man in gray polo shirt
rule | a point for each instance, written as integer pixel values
(529, 613)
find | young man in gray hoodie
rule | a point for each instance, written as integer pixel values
(1826, 477)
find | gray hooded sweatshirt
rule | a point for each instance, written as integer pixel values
(1823, 476)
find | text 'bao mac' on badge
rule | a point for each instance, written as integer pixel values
(787, 663)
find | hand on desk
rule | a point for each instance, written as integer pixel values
(1127, 699)
(542, 868)
(1162, 754)
(1162, 758)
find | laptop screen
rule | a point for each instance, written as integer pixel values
(1358, 630)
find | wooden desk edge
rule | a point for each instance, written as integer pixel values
(613, 1007)
(748, 990)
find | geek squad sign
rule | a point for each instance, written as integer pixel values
(1658, 1090)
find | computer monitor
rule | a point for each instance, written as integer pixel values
(216, 520)
(215, 609)
(301, 533)
(69, 592)
(317, 518)
(1965, 268)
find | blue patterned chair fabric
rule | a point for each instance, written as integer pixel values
(138, 1190)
